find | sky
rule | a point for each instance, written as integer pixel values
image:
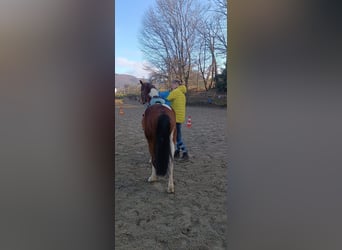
(128, 22)
(128, 18)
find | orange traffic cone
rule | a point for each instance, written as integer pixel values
(121, 112)
(188, 124)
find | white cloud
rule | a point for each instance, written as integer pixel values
(135, 68)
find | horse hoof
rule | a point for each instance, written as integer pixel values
(171, 190)
(151, 179)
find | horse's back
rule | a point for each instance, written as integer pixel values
(156, 110)
(152, 114)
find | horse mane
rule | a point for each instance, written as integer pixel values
(150, 85)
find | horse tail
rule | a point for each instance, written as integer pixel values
(162, 149)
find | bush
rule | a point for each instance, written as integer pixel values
(221, 81)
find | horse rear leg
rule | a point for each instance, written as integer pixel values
(153, 176)
(171, 185)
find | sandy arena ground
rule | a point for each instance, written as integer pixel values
(195, 217)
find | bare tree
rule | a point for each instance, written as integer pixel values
(207, 49)
(168, 36)
(221, 9)
(212, 42)
(221, 6)
(206, 58)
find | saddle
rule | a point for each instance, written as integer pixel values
(157, 99)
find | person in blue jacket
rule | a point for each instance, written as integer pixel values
(164, 95)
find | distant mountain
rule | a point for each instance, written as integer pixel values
(122, 79)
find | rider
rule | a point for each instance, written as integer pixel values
(155, 98)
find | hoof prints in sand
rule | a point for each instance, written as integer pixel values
(146, 217)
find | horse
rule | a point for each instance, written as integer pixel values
(159, 125)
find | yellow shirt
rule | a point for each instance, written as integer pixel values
(178, 102)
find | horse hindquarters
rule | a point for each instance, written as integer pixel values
(162, 149)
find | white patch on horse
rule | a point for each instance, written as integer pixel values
(171, 185)
(165, 105)
(153, 92)
(153, 176)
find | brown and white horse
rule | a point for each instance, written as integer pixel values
(159, 125)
